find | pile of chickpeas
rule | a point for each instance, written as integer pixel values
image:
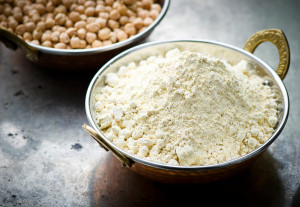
(77, 24)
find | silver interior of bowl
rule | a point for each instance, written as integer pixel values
(220, 50)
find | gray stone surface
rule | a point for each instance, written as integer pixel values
(46, 159)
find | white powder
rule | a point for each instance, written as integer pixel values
(186, 109)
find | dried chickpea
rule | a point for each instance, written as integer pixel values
(21, 4)
(81, 2)
(60, 9)
(82, 44)
(60, 45)
(47, 43)
(90, 20)
(148, 21)
(41, 1)
(107, 42)
(104, 15)
(142, 29)
(49, 15)
(36, 35)
(64, 38)
(89, 4)
(121, 35)
(4, 24)
(100, 2)
(20, 29)
(81, 33)
(123, 20)
(153, 14)
(99, 8)
(90, 11)
(26, 19)
(8, 11)
(55, 36)
(146, 4)
(116, 5)
(97, 43)
(113, 24)
(2, 17)
(107, 9)
(88, 47)
(68, 3)
(101, 22)
(109, 2)
(55, 2)
(27, 36)
(41, 26)
(93, 27)
(130, 29)
(36, 18)
(138, 23)
(73, 7)
(50, 7)
(74, 16)
(114, 14)
(18, 17)
(69, 23)
(83, 17)
(40, 8)
(80, 24)
(30, 26)
(48, 32)
(128, 2)
(122, 10)
(156, 7)
(80, 9)
(55, 28)
(61, 29)
(46, 37)
(143, 14)
(113, 37)
(32, 12)
(49, 22)
(75, 42)
(12, 23)
(104, 34)
(130, 13)
(16, 9)
(90, 37)
(35, 42)
(71, 31)
(60, 19)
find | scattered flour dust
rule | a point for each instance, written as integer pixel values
(186, 109)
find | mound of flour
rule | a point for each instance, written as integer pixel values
(186, 109)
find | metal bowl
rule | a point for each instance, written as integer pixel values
(177, 174)
(78, 59)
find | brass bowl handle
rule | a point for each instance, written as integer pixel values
(105, 145)
(12, 41)
(278, 38)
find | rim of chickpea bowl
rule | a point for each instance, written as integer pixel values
(69, 52)
(170, 173)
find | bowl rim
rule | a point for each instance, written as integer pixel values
(165, 7)
(226, 164)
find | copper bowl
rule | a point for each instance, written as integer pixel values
(78, 59)
(178, 174)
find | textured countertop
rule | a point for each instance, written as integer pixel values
(46, 159)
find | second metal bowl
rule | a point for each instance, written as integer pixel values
(78, 59)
